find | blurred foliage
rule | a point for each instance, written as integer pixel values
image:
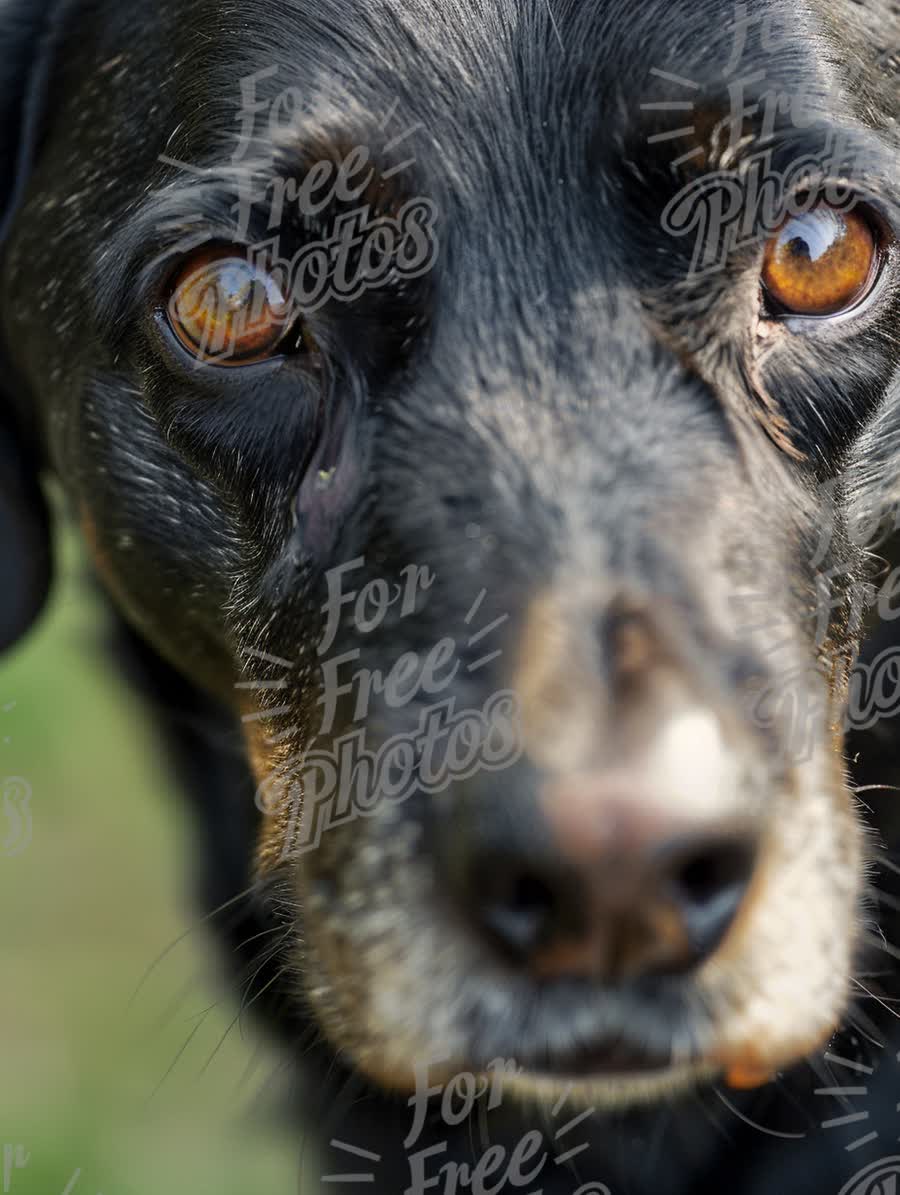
(158, 1093)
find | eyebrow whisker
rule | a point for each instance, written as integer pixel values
(188, 167)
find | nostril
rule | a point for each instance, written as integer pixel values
(709, 881)
(519, 919)
(715, 868)
(518, 909)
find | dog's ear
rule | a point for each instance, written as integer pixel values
(28, 35)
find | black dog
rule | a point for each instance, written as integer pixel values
(466, 402)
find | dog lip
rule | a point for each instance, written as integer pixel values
(602, 1060)
(629, 1029)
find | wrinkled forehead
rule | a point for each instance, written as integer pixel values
(550, 83)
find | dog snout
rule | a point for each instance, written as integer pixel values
(600, 883)
(624, 841)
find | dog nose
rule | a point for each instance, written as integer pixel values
(625, 893)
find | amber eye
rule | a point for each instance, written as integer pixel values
(821, 262)
(227, 310)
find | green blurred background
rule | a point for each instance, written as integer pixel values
(162, 1094)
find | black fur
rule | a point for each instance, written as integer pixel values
(555, 381)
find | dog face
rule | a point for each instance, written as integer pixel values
(490, 523)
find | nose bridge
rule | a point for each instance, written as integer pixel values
(559, 342)
(554, 412)
(603, 671)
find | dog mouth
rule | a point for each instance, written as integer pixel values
(593, 1037)
(604, 1073)
(603, 1069)
(603, 1061)
(622, 1063)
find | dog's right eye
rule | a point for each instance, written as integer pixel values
(820, 263)
(227, 310)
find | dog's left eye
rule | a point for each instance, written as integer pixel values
(820, 263)
(227, 310)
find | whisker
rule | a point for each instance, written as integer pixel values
(883, 898)
(278, 974)
(174, 1004)
(752, 1123)
(886, 862)
(181, 937)
(178, 1056)
(865, 1027)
